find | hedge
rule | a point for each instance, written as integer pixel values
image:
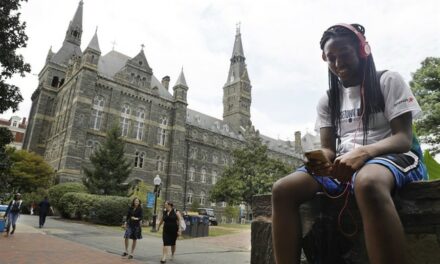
(108, 210)
(57, 191)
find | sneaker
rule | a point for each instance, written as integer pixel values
(130, 256)
(124, 254)
(12, 232)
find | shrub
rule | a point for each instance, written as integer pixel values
(34, 197)
(109, 210)
(57, 191)
(76, 205)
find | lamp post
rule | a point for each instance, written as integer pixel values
(157, 181)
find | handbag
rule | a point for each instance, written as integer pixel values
(182, 224)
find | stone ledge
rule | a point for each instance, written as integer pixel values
(418, 205)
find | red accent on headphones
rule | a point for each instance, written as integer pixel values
(364, 47)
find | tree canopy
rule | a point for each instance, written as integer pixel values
(27, 173)
(426, 87)
(110, 167)
(252, 172)
(12, 37)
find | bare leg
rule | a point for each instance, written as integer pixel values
(126, 245)
(133, 246)
(165, 253)
(173, 250)
(383, 230)
(288, 194)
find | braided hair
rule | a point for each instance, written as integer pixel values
(374, 101)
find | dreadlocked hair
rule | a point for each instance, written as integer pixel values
(374, 101)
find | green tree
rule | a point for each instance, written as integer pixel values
(110, 167)
(5, 163)
(195, 205)
(426, 87)
(12, 37)
(28, 171)
(252, 172)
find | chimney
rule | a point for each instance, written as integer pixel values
(298, 147)
(166, 82)
(23, 122)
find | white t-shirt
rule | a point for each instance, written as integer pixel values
(398, 100)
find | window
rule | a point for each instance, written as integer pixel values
(189, 197)
(223, 204)
(125, 114)
(203, 176)
(213, 204)
(162, 136)
(214, 158)
(214, 177)
(139, 128)
(15, 123)
(193, 153)
(97, 110)
(160, 166)
(192, 173)
(91, 147)
(139, 159)
(162, 133)
(202, 198)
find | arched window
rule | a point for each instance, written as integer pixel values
(160, 166)
(214, 158)
(189, 197)
(125, 115)
(97, 112)
(91, 147)
(202, 198)
(192, 172)
(139, 127)
(139, 159)
(55, 81)
(203, 175)
(214, 177)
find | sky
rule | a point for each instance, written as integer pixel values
(280, 41)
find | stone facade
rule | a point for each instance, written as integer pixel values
(82, 93)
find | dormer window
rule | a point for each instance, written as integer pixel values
(140, 63)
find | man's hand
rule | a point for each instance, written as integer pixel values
(347, 164)
(318, 163)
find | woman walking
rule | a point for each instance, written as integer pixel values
(171, 229)
(133, 228)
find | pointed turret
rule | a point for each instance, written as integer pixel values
(49, 54)
(94, 43)
(180, 88)
(92, 52)
(181, 80)
(74, 31)
(237, 89)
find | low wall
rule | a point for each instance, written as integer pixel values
(418, 205)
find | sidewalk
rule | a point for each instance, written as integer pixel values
(30, 245)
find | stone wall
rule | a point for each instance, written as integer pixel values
(418, 205)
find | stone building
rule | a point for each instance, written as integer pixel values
(17, 126)
(81, 93)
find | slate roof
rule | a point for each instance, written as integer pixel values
(114, 61)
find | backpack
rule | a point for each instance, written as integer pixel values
(15, 206)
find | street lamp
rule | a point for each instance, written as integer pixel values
(157, 181)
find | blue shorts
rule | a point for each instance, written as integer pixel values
(405, 167)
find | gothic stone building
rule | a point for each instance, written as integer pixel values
(81, 93)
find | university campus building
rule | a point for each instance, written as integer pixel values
(81, 93)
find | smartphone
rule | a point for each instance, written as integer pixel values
(316, 155)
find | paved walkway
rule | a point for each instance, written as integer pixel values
(32, 246)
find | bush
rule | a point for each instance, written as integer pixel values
(57, 191)
(108, 210)
(32, 198)
(76, 205)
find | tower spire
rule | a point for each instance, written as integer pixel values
(237, 96)
(74, 31)
(181, 80)
(94, 43)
